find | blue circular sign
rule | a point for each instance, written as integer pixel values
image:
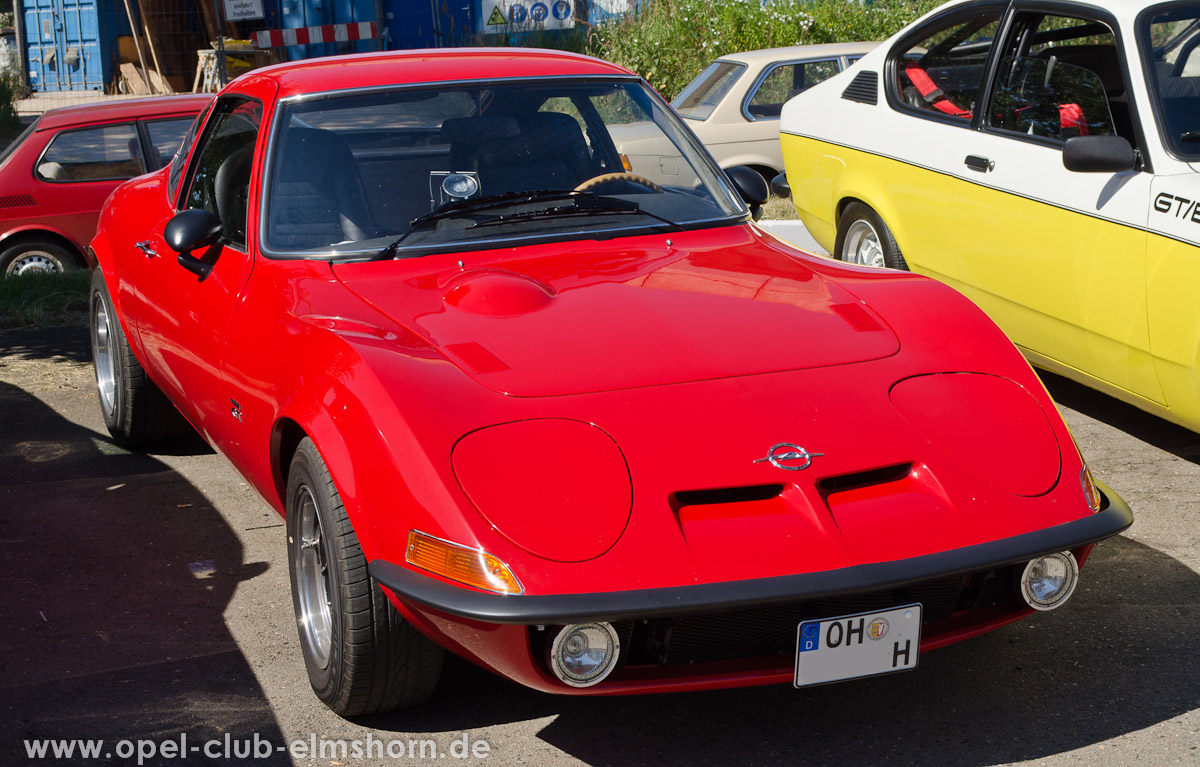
(562, 10)
(539, 12)
(516, 14)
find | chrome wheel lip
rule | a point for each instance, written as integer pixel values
(315, 614)
(863, 246)
(33, 261)
(102, 354)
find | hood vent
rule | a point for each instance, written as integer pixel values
(16, 201)
(864, 88)
(724, 495)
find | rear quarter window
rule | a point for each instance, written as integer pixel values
(106, 152)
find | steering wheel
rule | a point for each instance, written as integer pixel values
(609, 178)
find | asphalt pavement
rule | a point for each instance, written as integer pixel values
(146, 599)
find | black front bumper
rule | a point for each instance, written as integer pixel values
(560, 609)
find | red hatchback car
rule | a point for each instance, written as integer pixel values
(505, 347)
(56, 176)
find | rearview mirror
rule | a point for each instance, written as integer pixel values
(780, 187)
(751, 187)
(1099, 154)
(189, 230)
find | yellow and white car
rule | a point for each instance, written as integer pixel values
(1042, 158)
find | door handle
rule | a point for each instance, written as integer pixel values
(144, 246)
(981, 164)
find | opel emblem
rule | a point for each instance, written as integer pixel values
(785, 456)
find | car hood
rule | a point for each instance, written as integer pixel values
(580, 317)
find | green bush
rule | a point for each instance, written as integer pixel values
(9, 122)
(670, 41)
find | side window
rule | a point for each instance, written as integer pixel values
(180, 158)
(785, 81)
(220, 169)
(165, 137)
(108, 152)
(1056, 78)
(943, 71)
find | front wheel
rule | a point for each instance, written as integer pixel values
(863, 238)
(361, 655)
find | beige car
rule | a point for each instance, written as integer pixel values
(733, 105)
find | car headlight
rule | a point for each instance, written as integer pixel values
(557, 488)
(584, 654)
(1049, 581)
(991, 426)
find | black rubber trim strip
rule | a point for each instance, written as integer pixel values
(560, 609)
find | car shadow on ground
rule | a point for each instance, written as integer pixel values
(117, 573)
(66, 343)
(1114, 660)
(1137, 423)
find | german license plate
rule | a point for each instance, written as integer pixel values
(852, 646)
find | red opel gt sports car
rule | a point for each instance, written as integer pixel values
(504, 346)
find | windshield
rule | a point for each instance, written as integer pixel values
(701, 96)
(470, 166)
(1170, 41)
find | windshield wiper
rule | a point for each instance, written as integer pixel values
(475, 204)
(580, 207)
(1189, 136)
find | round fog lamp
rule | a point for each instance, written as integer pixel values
(460, 185)
(1049, 581)
(584, 654)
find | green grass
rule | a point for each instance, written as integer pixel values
(670, 41)
(779, 210)
(39, 300)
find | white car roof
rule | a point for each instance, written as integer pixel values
(824, 50)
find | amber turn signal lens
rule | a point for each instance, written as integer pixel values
(472, 567)
(1089, 489)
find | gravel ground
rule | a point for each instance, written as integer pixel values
(146, 597)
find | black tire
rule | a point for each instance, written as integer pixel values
(863, 238)
(31, 256)
(361, 655)
(136, 412)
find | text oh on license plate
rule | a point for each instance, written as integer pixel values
(852, 646)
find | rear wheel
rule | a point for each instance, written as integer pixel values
(863, 238)
(34, 256)
(361, 655)
(136, 412)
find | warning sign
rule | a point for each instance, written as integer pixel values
(243, 10)
(501, 16)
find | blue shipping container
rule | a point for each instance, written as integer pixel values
(69, 44)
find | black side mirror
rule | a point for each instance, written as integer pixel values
(780, 187)
(751, 187)
(189, 230)
(1099, 154)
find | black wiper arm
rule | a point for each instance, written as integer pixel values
(582, 207)
(1190, 136)
(471, 205)
(452, 209)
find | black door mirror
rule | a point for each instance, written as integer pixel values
(751, 187)
(780, 187)
(1099, 154)
(189, 230)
